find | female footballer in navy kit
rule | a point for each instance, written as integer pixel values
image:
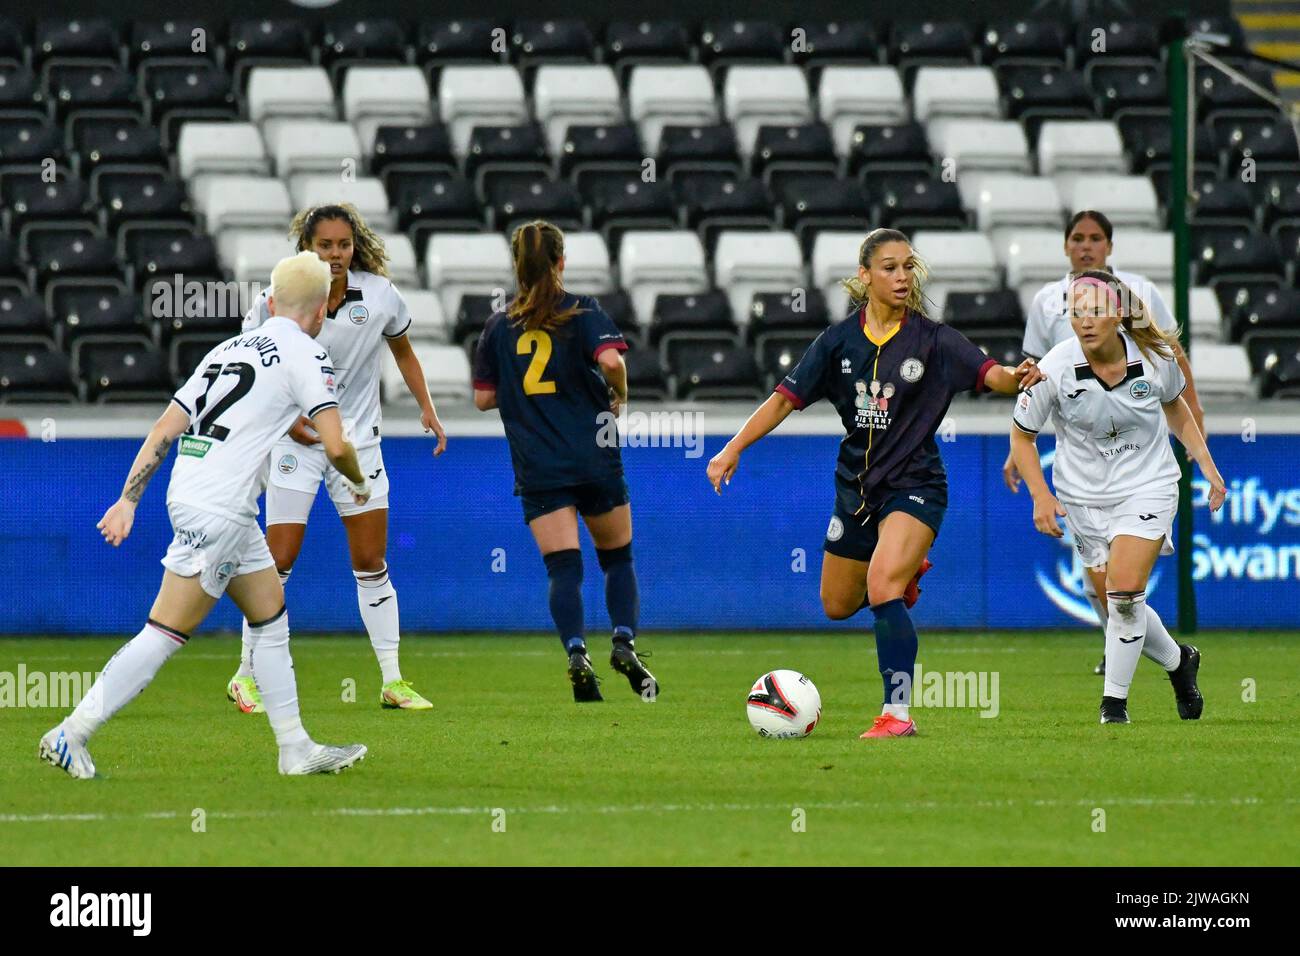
(891, 373)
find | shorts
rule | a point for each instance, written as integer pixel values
(1149, 516)
(590, 498)
(855, 536)
(213, 547)
(296, 473)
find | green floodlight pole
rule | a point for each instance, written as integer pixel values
(1180, 93)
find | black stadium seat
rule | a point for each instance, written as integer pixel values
(1270, 313)
(435, 200)
(645, 374)
(811, 202)
(931, 41)
(779, 352)
(1123, 86)
(78, 37)
(1117, 38)
(1146, 137)
(12, 46)
(373, 39)
(629, 42)
(726, 42)
(19, 88)
(22, 314)
(885, 148)
(186, 352)
(28, 198)
(692, 313)
(986, 313)
(804, 147)
(618, 306)
(706, 146)
(1281, 379)
(834, 42)
(429, 144)
(915, 200)
(440, 41)
(714, 370)
(33, 370)
(100, 141)
(1042, 41)
(128, 367)
(162, 253)
(180, 316)
(558, 40)
(80, 310)
(787, 312)
(191, 85)
(173, 38)
(140, 195)
(713, 203)
(515, 202)
(27, 140)
(74, 86)
(505, 148)
(472, 316)
(600, 146)
(62, 252)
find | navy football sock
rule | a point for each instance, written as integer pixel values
(564, 568)
(621, 597)
(896, 650)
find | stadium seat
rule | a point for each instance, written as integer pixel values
(1086, 146)
(836, 43)
(704, 315)
(755, 96)
(1117, 38)
(1146, 135)
(885, 148)
(28, 139)
(1274, 312)
(441, 41)
(1147, 253)
(629, 42)
(797, 148)
(986, 313)
(242, 201)
(446, 371)
(132, 193)
(654, 262)
(428, 320)
(623, 202)
(30, 198)
(172, 37)
(377, 95)
(306, 146)
(185, 352)
(32, 370)
(646, 378)
(455, 264)
(585, 94)
(1022, 41)
(1036, 93)
(76, 37)
(957, 91)
(403, 266)
(200, 306)
(1031, 257)
(102, 141)
(220, 148)
(1126, 86)
(93, 307)
(811, 202)
(1008, 201)
(659, 95)
(251, 254)
(916, 200)
(976, 145)
(852, 96)
(470, 96)
(724, 43)
(779, 352)
(915, 42)
(1281, 371)
(261, 40)
(162, 253)
(1229, 254)
(704, 146)
(276, 92)
(472, 318)
(71, 86)
(189, 86)
(19, 88)
(1129, 201)
(517, 201)
(61, 252)
(128, 368)
(551, 41)
(587, 269)
(428, 144)
(588, 146)
(958, 261)
(434, 200)
(364, 192)
(1221, 372)
(1216, 91)
(748, 262)
(366, 40)
(505, 149)
(705, 370)
(715, 202)
(835, 258)
(801, 312)
(22, 314)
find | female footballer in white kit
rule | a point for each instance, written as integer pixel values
(1089, 239)
(1114, 392)
(364, 310)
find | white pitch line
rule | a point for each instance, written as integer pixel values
(657, 808)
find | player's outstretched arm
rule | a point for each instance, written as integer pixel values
(340, 452)
(118, 519)
(408, 363)
(765, 418)
(1024, 452)
(1006, 380)
(1183, 424)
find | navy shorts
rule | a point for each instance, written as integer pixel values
(590, 498)
(855, 536)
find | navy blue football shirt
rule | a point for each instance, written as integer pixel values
(892, 397)
(550, 392)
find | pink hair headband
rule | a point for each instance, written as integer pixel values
(1090, 280)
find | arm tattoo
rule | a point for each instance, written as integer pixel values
(135, 485)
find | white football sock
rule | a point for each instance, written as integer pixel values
(1159, 645)
(378, 602)
(898, 711)
(1125, 635)
(127, 673)
(246, 648)
(273, 671)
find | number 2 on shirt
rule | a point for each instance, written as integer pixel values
(539, 343)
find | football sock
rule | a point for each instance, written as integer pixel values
(377, 599)
(896, 651)
(1125, 634)
(246, 648)
(1159, 646)
(273, 671)
(127, 673)
(621, 598)
(564, 568)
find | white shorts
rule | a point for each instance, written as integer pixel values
(213, 547)
(1143, 516)
(296, 474)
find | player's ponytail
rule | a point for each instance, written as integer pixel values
(858, 292)
(1135, 314)
(537, 248)
(368, 252)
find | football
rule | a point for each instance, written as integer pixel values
(784, 704)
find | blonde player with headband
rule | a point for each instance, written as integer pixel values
(1114, 391)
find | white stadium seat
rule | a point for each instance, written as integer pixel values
(1148, 253)
(1129, 201)
(755, 96)
(834, 259)
(1206, 318)
(403, 267)
(428, 320)
(661, 95)
(400, 93)
(1221, 371)
(446, 370)
(366, 193)
(958, 262)
(749, 262)
(850, 96)
(955, 91)
(277, 91)
(229, 202)
(584, 93)
(470, 96)
(1002, 200)
(1091, 146)
(220, 148)
(1031, 256)
(251, 254)
(660, 261)
(975, 144)
(460, 263)
(305, 146)
(587, 269)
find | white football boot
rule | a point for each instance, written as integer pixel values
(322, 758)
(62, 751)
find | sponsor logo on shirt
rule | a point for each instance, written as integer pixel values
(917, 498)
(288, 464)
(836, 529)
(912, 369)
(846, 366)
(872, 404)
(358, 314)
(1140, 389)
(327, 374)
(194, 447)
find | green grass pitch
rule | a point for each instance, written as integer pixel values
(682, 780)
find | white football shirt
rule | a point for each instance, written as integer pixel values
(1111, 442)
(241, 400)
(372, 310)
(1048, 321)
